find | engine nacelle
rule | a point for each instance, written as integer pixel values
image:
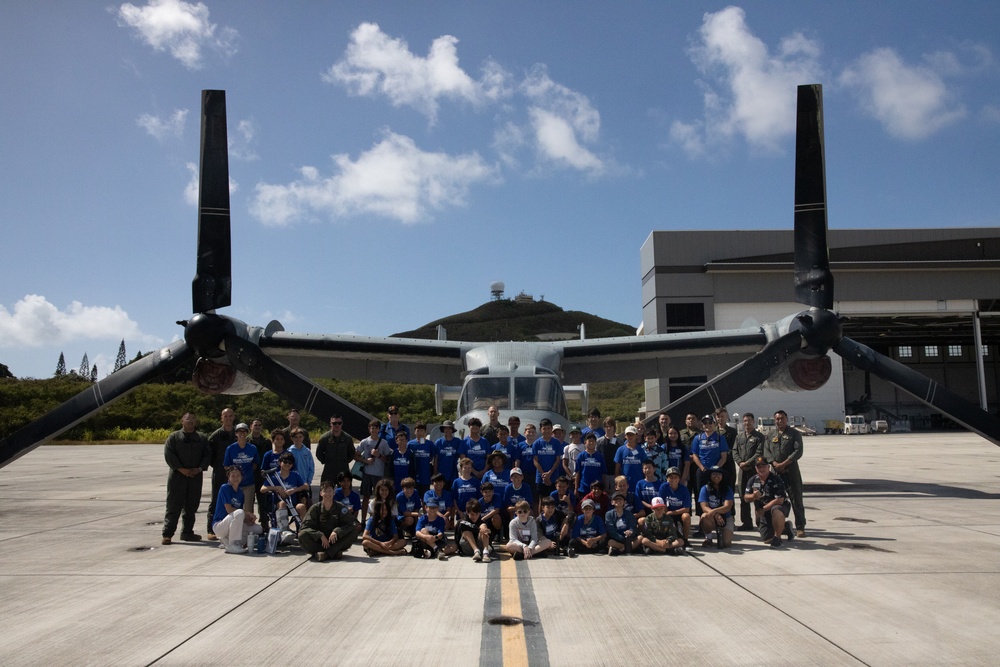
(802, 372)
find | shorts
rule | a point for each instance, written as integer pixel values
(728, 526)
(764, 525)
(368, 483)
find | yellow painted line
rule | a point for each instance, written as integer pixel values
(515, 647)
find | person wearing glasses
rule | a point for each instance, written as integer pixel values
(524, 540)
(335, 450)
(393, 426)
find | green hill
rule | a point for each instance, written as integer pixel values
(519, 321)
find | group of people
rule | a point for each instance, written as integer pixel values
(586, 491)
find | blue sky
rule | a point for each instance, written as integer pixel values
(390, 160)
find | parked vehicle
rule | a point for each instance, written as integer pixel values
(855, 425)
(800, 425)
(833, 426)
(880, 426)
(766, 426)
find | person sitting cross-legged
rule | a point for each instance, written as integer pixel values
(328, 528)
(659, 531)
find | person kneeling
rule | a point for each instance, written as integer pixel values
(430, 535)
(716, 502)
(524, 541)
(767, 492)
(329, 528)
(231, 523)
(659, 532)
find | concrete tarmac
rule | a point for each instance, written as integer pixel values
(899, 567)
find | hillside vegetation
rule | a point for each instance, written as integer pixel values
(156, 407)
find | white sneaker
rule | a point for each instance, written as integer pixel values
(236, 549)
(486, 556)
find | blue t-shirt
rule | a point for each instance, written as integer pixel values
(245, 458)
(598, 433)
(646, 491)
(547, 454)
(500, 481)
(227, 496)
(443, 501)
(292, 481)
(384, 531)
(270, 460)
(388, 432)
(411, 504)
(496, 503)
(677, 454)
(304, 464)
(435, 527)
(714, 498)
(353, 500)
(465, 490)
(423, 460)
(402, 466)
(709, 449)
(675, 500)
(512, 496)
(550, 527)
(631, 463)
(447, 457)
(592, 468)
(585, 530)
(512, 450)
(476, 450)
(567, 505)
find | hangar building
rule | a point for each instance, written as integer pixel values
(915, 295)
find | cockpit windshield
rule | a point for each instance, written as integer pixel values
(482, 392)
(530, 393)
(539, 393)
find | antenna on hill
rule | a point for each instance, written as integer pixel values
(496, 291)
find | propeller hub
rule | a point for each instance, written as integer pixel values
(820, 328)
(204, 333)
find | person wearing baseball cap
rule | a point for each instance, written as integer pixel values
(659, 532)
(767, 492)
(516, 492)
(708, 449)
(621, 526)
(243, 454)
(589, 533)
(678, 501)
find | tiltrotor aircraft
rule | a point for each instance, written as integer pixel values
(526, 378)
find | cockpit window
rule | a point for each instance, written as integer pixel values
(539, 393)
(481, 393)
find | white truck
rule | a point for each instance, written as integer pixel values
(855, 425)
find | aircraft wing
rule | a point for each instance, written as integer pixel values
(371, 358)
(657, 355)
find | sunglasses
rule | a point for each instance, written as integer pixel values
(393, 412)
(336, 423)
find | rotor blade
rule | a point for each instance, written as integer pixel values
(92, 400)
(213, 280)
(813, 280)
(922, 388)
(734, 383)
(295, 388)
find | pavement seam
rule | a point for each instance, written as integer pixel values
(224, 614)
(781, 611)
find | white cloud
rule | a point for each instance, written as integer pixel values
(394, 179)
(243, 140)
(375, 63)
(162, 128)
(35, 322)
(911, 101)
(192, 188)
(749, 92)
(182, 28)
(557, 141)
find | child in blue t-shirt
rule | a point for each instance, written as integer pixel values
(380, 536)
(431, 538)
(230, 523)
(346, 495)
(589, 533)
(491, 505)
(409, 507)
(442, 497)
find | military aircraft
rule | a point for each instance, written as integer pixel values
(526, 378)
